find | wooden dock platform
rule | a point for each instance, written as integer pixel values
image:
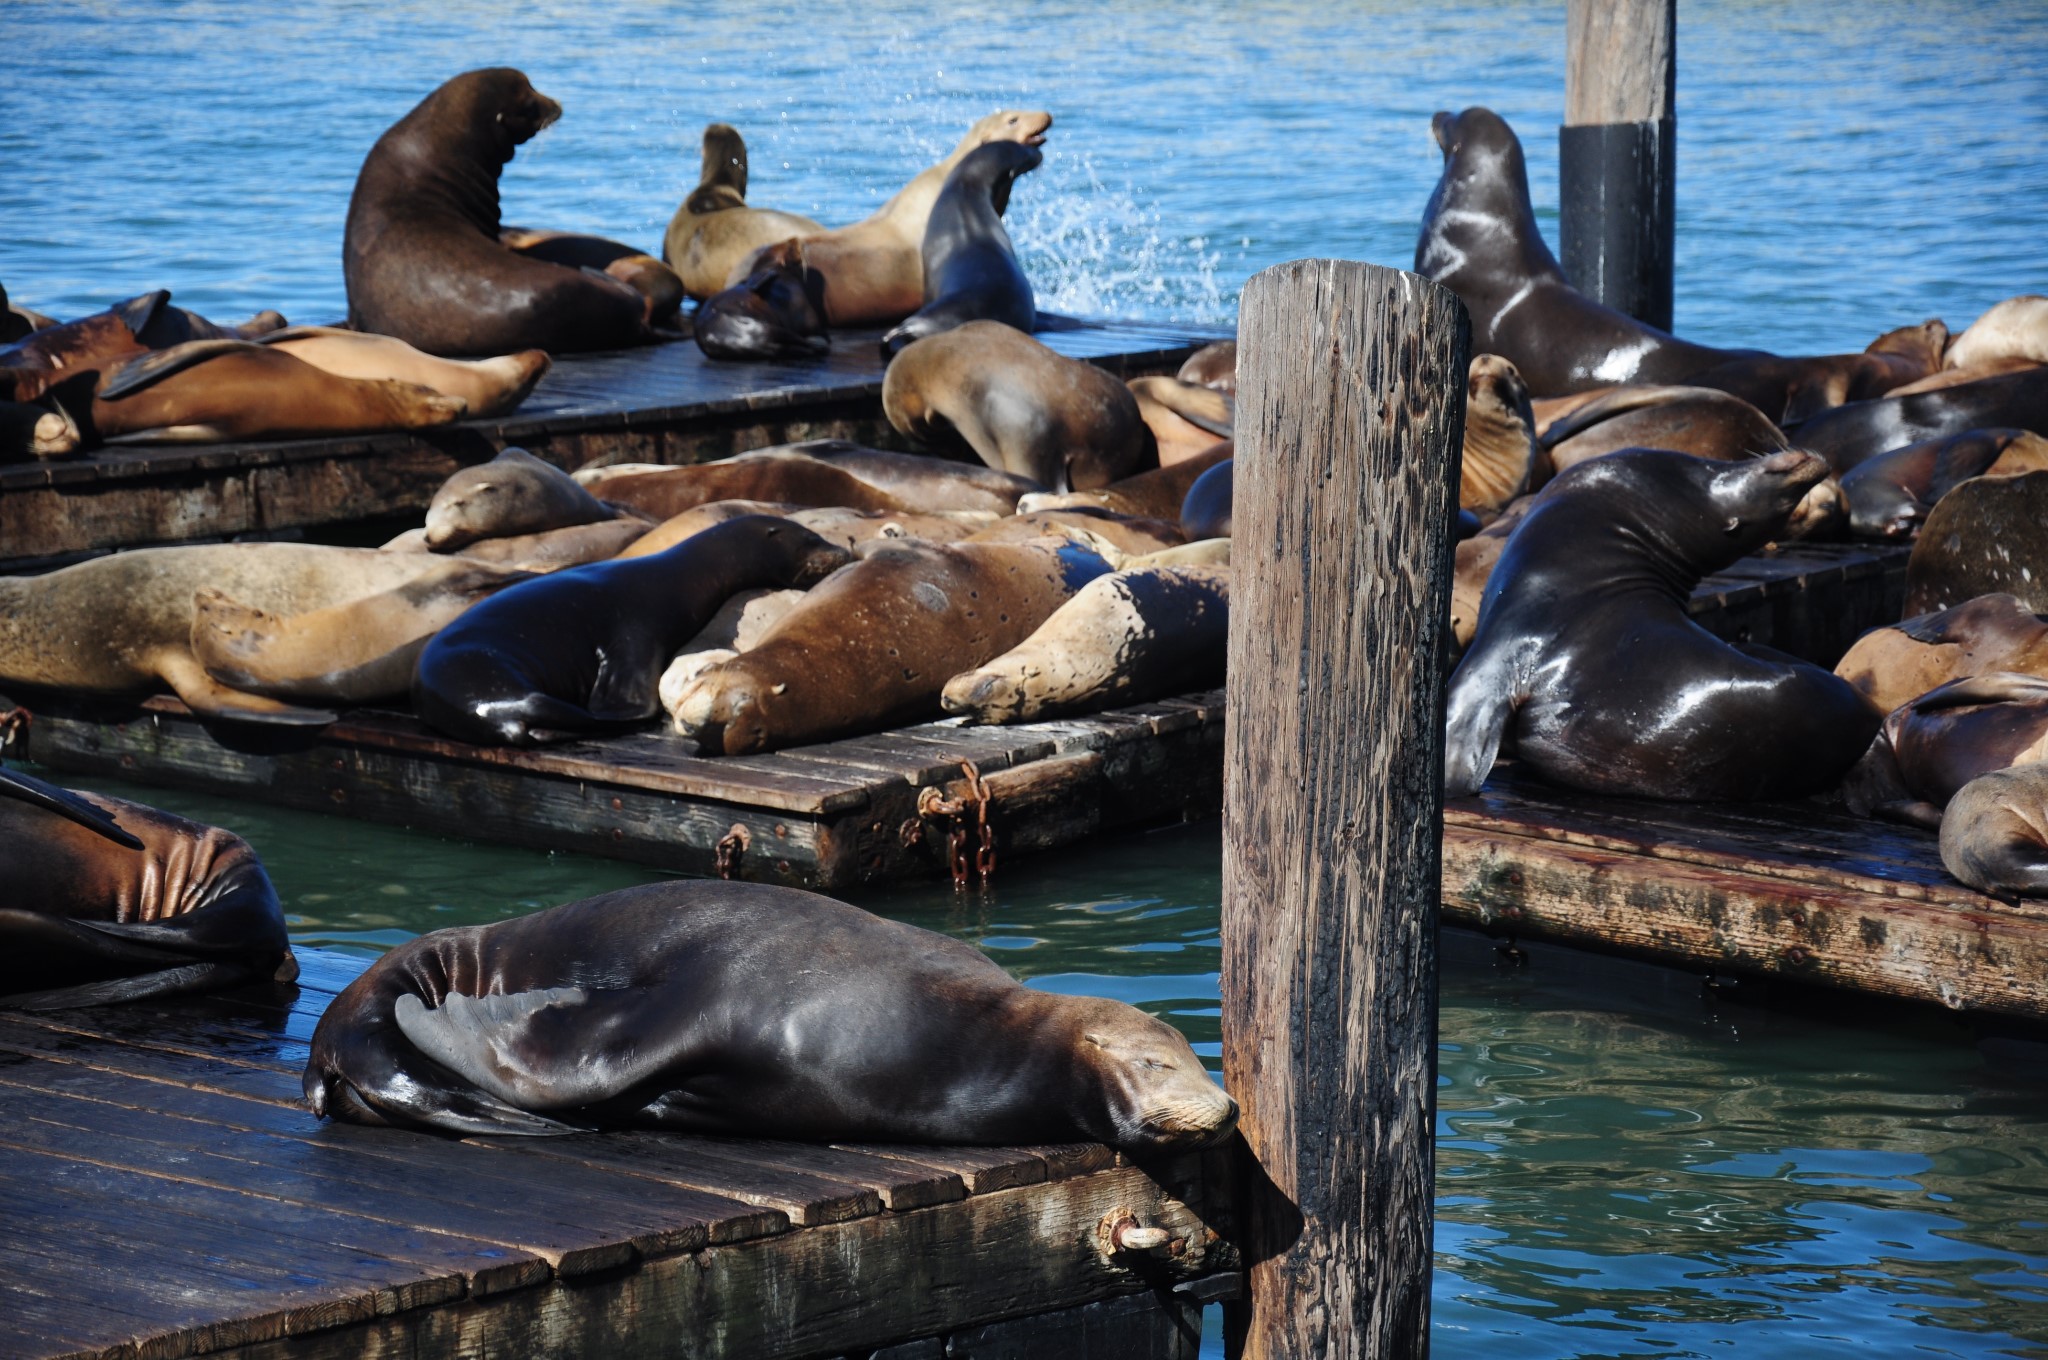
(661, 404)
(167, 1193)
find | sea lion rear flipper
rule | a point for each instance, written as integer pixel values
(189, 977)
(1910, 812)
(1993, 687)
(210, 699)
(137, 312)
(538, 1050)
(1972, 620)
(148, 369)
(65, 803)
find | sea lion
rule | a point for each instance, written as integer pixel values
(665, 492)
(1124, 638)
(850, 529)
(1018, 406)
(1987, 535)
(1966, 728)
(1480, 240)
(123, 624)
(1213, 365)
(714, 229)
(751, 1010)
(217, 391)
(661, 286)
(1795, 389)
(970, 268)
(421, 257)
(356, 652)
(15, 323)
(1994, 833)
(546, 550)
(1701, 421)
(1587, 665)
(1186, 419)
(582, 650)
(69, 360)
(697, 519)
(1205, 513)
(1155, 494)
(921, 482)
(1889, 495)
(2015, 329)
(740, 623)
(1848, 435)
(514, 493)
(771, 314)
(107, 900)
(872, 648)
(1956, 377)
(872, 273)
(1502, 458)
(1113, 535)
(1472, 566)
(1897, 664)
(488, 387)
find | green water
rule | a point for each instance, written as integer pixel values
(1628, 1165)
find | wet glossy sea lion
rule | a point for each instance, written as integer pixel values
(123, 624)
(665, 492)
(872, 273)
(970, 268)
(1480, 240)
(1889, 495)
(714, 229)
(1213, 365)
(1154, 494)
(1848, 435)
(582, 650)
(872, 648)
(1124, 638)
(770, 314)
(1587, 666)
(661, 286)
(489, 387)
(1018, 406)
(1994, 832)
(356, 652)
(514, 493)
(1186, 419)
(1895, 665)
(1701, 421)
(104, 900)
(2015, 329)
(1967, 728)
(1794, 389)
(1989, 534)
(746, 1009)
(421, 256)
(1502, 458)
(1205, 513)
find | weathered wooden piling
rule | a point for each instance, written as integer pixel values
(1618, 153)
(1350, 420)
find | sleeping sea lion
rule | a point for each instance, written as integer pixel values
(850, 529)
(1889, 495)
(1124, 638)
(714, 229)
(920, 481)
(645, 275)
(871, 648)
(1472, 564)
(1848, 435)
(1897, 664)
(1113, 535)
(1588, 667)
(547, 550)
(770, 314)
(751, 1010)
(488, 387)
(1480, 240)
(738, 626)
(970, 268)
(1987, 535)
(103, 900)
(1158, 493)
(514, 493)
(1966, 728)
(1956, 377)
(662, 493)
(582, 650)
(1795, 389)
(1994, 832)
(1213, 365)
(421, 257)
(2014, 330)
(993, 390)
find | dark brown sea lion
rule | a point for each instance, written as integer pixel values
(514, 493)
(2014, 330)
(104, 900)
(1589, 668)
(75, 355)
(993, 390)
(665, 492)
(970, 268)
(1994, 832)
(1155, 494)
(872, 647)
(1480, 240)
(1956, 377)
(1124, 638)
(1205, 513)
(1988, 535)
(1213, 365)
(1795, 389)
(421, 256)
(1889, 495)
(1848, 435)
(770, 314)
(714, 230)
(746, 1009)
(1966, 728)
(217, 391)
(1701, 421)
(583, 650)
(635, 268)
(1895, 665)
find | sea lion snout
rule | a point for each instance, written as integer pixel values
(1160, 1096)
(1444, 127)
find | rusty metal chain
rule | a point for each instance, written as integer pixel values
(729, 848)
(932, 803)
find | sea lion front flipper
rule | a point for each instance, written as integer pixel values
(1993, 687)
(538, 1050)
(65, 803)
(210, 699)
(1480, 705)
(148, 369)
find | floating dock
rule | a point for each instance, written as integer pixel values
(659, 404)
(167, 1193)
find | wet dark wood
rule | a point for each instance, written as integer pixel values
(660, 404)
(167, 1193)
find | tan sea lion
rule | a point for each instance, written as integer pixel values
(714, 230)
(1124, 638)
(665, 492)
(697, 519)
(1897, 664)
(738, 626)
(1018, 406)
(849, 529)
(1213, 365)
(1994, 832)
(1155, 494)
(872, 273)
(574, 545)
(872, 647)
(2015, 329)
(1472, 567)
(1129, 536)
(1186, 419)
(1989, 534)
(490, 387)
(219, 391)
(921, 482)
(514, 493)
(1502, 458)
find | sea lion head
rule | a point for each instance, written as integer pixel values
(514, 493)
(1027, 126)
(1924, 344)
(1483, 191)
(1502, 456)
(492, 111)
(1755, 497)
(725, 158)
(1153, 1093)
(809, 557)
(995, 166)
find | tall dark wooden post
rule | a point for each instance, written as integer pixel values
(1617, 157)
(1351, 412)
